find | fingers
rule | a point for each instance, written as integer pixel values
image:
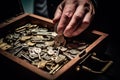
(57, 16)
(85, 23)
(58, 13)
(67, 14)
(73, 17)
(75, 21)
(83, 26)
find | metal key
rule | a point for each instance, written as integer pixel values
(20, 48)
(59, 41)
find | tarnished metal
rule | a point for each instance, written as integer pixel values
(59, 41)
(41, 47)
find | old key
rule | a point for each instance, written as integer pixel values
(59, 41)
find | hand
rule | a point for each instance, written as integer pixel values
(73, 17)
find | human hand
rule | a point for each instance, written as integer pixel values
(73, 17)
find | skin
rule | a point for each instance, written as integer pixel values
(73, 17)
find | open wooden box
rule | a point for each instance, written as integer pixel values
(93, 37)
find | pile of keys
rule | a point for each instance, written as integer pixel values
(41, 47)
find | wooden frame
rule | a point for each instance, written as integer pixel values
(24, 18)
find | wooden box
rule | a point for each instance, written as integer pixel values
(93, 37)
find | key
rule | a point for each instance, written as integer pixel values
(32, 53)
(26, 57)
(59, 41)
(19, 48)
(68, 55)
(54, 68)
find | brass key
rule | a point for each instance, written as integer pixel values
(59, 41)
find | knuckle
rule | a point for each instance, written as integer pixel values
(78, 16)
(86, 22)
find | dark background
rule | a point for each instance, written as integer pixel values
(106, 20)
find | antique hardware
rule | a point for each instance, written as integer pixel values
(4, 46)
(24, 38)
(59, 41)
(35, 26)
(33, 52)
(26, 57)
(93, 64)
(44, 46)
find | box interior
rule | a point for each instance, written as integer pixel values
(88, 37)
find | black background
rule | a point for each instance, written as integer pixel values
(106, 20)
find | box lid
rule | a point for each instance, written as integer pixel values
(9, 9)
